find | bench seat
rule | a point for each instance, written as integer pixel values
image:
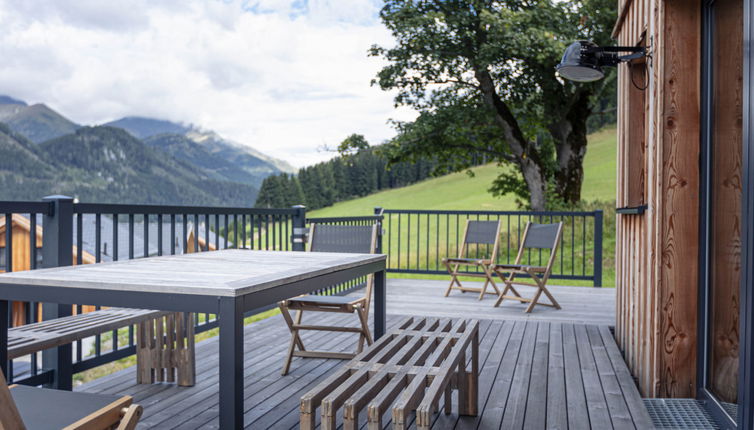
(410, 368)
(164, 340)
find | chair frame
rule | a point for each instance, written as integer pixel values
(121, 414)
(453, 264)
(359, 305)
(540, 274)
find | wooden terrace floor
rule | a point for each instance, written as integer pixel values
(534, 373)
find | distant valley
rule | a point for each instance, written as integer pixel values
(132, 160)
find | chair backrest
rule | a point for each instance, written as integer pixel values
(356, 239)
(541, 236)
(10, 418)
(481, 233)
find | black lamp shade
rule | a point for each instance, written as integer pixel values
(579, 65)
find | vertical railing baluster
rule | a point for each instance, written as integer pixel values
(196, 232)
(130, 236)
(159, 234)
(33, 241)
(243, 230)
(206, 232)
(146, 235)
(217, 231)
(115, 237)
(79, 239)
(172, 234)
(184, 232)
(235, 231)
(227, 231)
(98, 237)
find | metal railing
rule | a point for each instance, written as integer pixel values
(62, 233)
(416, 241)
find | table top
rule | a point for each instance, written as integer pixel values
(226, 273)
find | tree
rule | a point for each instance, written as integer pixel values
(481, 74)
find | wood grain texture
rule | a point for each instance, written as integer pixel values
(221, 273)
(657, 252)
(514, 357)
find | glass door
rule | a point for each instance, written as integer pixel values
(723, 185)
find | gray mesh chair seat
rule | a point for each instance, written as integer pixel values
(536, 236)
(520, 267)
(46, 409)
(483, 235)
(332, 238)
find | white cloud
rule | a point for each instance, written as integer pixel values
(284, 76)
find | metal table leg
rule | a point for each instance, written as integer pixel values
(4, 315)
(231, 363)
(380, 297)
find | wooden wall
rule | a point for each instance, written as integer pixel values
(657, 251)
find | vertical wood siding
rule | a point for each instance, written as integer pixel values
(657, 252)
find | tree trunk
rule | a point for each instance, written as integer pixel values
(570, 134)
(526, 156)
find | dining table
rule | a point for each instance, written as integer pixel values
(229, 283)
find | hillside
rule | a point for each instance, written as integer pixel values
(106, 164)
(220, 157)
(36, 122)
(24, 175)
(459, 191)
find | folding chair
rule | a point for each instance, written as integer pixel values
(536, 236)
(332, 238)
(23, 407)
(476, 233)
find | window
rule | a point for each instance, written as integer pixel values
(2, 259)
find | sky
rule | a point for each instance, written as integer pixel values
(287, 77)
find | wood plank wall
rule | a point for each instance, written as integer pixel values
(657, 252)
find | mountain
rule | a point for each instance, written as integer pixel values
(221, 158)
(142, 127)
(36, 122)
(182, 148)
(106, 164)
(24, 174)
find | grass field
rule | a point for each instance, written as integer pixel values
(459, 191)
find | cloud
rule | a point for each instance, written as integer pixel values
(284, 76)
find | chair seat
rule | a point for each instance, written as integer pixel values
(466, 260)
(324, 300)
(522, 267)
(43, 409)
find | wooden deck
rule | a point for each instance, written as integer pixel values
(533, 374)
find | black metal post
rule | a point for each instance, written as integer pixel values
(298, 238)
(378, 212)
(231, 363)
(598, 220)
(57, 250)
(4, 324)
(380, 299)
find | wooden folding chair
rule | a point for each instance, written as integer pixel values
(332, 238)
(23, 407)
(476, 233)
(536, 236)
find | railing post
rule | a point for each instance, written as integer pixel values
(57, 250)
(298, 238)
(598, 220)
(378, 212)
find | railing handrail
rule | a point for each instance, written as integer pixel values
(127, 209)
(44, 208)
(365, 218)
(507, 213)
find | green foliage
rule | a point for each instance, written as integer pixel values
(481, 74)
(360, 171)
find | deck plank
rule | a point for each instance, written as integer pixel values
(535, 372)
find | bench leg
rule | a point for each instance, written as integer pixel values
(165, 346)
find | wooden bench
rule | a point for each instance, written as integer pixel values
(410, 369)
(165, 340)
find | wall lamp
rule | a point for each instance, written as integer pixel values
(583, 60)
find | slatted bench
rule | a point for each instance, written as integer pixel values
(410, 369)
(165, 340)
